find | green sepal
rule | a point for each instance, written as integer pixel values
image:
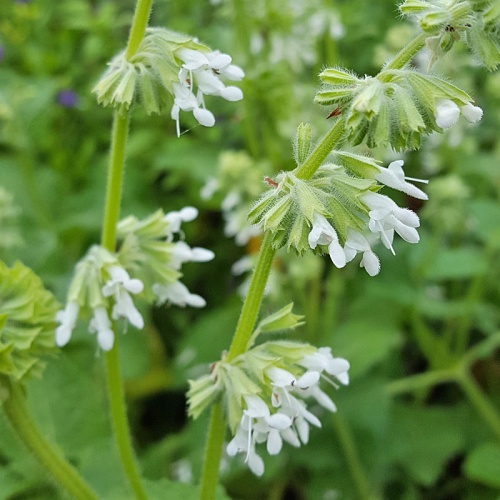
(202, 393)
(27, 322)
(338, 76)
(280, 320)
(303, 144)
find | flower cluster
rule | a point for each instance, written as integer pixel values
(339, 211)
(266, 389)
(239, 178)
(103, 282)
(26, 323)
(477, 23)
(396, 108)
(169, 72)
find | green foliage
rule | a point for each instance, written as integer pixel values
(405, 427)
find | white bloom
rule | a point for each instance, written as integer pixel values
(119, 287)
(210, 187)
(386, 217)
(67, 319)
(357, 243)
(322, 233)
(472, 114)
(394, 177)
(257, 426)
(322, 360)
(204, 71)
(178, 294)
(176, 218)
(447, 113)
(101, 325)
(182, 252)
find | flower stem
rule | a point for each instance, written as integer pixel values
(213, 453)
(120, 423)
(111, 215)
(482, 404)
(322, 150)
(253, 299)
(115, 180)
(139, 25)
(65, 474)
(406, 54)
(352, 457)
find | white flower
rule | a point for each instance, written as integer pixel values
(357, 243)
(322, 233)
(210, 187)
(204, 71)
(176, 218)
(101, 325)
(394, 177)
(178, 294)
(67, 319)
(185, 99)
(182, 252)
(257, 426)
(447, 113)
(386, 217)
(322, 360)
(119, 287)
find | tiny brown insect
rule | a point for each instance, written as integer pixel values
(270, 182)
(336, 112)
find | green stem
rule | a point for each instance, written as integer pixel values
(115, 180)
(406, 54)
(253, 299)
(65, 474)
(213, 453)
(352, 458)
(322, 150)
(482, 404)
(120, 423)
(421, 381)
(139, 25)
(111, 215)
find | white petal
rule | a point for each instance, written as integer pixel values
(274, 442)
(188, 214)
(256, 407)
(371, 263)
(447, 113)
(231, 94)
(204, 117)
(337, 254)
(202, 254)
(472, 114)
(234, 73)
(302, 429)
(219, 61)
(279, 421)
(308, 379)
(134, 286)
(256, 464)
(105, 339)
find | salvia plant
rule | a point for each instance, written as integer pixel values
(270, 387)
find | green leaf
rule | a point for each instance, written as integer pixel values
(483, 465)
(456, 264)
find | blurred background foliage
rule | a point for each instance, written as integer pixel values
(421, 416)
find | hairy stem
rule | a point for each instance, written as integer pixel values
(111, 215)
(213, 453)
(52, 459)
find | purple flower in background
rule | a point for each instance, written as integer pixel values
(67, 98)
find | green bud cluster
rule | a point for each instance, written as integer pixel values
(394, 108)
(27, 323)
(476, 22)
(288, 210)
(147, 77)
(245, 374)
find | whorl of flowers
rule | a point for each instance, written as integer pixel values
(147, 265)
(27, 323)
(396, 107)
(476, 22)
(265, 391)
(339, 210)
(169, 73)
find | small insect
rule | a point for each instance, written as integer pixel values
(270, 182)
(336, 112)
